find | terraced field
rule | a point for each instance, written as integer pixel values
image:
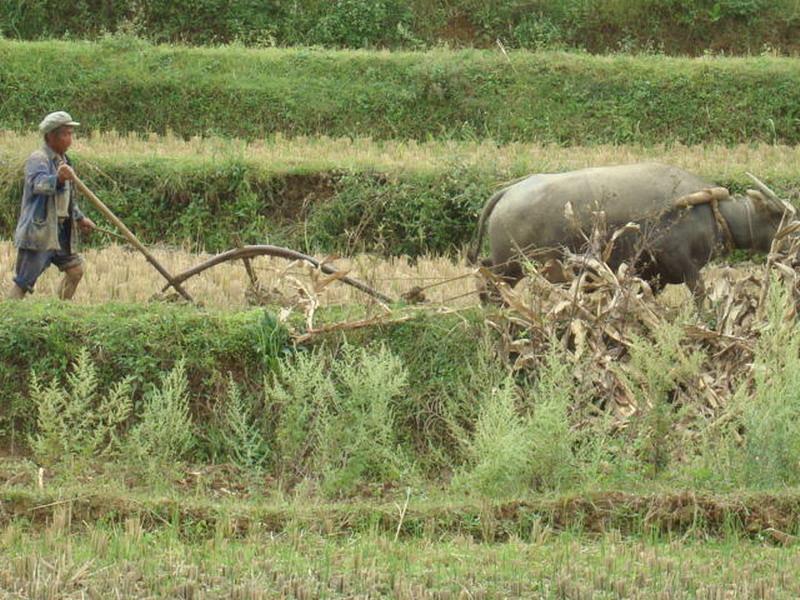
(290, 436)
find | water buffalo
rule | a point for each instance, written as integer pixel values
(541, 215)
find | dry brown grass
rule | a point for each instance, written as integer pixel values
(280, 154)
(116, 273)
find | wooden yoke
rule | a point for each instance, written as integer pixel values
(707, 196)
(711, 196)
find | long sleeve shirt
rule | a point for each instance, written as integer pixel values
(37, 228)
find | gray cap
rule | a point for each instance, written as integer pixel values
(55, 120)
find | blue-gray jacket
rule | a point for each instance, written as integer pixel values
(37, 228)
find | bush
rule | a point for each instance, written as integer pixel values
(358, 437)
(164, 434)
(337, 421)
(434, 354)
(500, 450)
(657, 367)
(241, 436)
(679, 26)
(140, 342)
(361, 23)
(78, 421)
(552, 398)
(511, 452)
(300, 398)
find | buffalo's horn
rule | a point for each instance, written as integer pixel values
(767, 192)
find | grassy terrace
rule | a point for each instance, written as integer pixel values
(296, 439)
(177, 557)
(129, 85)
(340, 194)
(668, 26)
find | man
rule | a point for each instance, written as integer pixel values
(47, 231)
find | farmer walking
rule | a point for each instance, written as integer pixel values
(47, 230)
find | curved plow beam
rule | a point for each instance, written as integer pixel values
(279, 252)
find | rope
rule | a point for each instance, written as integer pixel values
(712, 197)
(722, 223)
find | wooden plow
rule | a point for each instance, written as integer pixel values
(243, 253)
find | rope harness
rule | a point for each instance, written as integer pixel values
(712, 197)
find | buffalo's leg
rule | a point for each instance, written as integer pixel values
(687, 272)
(510, 273)
(695, 284)
(16, 292)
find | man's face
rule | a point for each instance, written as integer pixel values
(60, 140)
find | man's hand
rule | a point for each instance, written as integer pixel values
(65, 173)
(86, 225)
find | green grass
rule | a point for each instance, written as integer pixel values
(359, 413)
(100, 560)
(144, 341)
(671, 26)
(137, 341)
(544, 97)
(340, 195)
(103, 541)
(197, 500)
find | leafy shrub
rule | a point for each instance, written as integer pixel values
(164, 433)
(500, 450)
(738, 8)
(337, 421)
(78, 421)
(361, 23)
(242, 440)
(657, 367)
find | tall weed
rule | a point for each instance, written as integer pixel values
(551, 398)
(337, 421)
(358, 441)
(499, 454)
(770, 413)
(78, 420)
(657, 367)
(511, 452)
(241, 438)
(164, 434)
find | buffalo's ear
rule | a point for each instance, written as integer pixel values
(761, 202)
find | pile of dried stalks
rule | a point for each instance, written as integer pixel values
(598, 315)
